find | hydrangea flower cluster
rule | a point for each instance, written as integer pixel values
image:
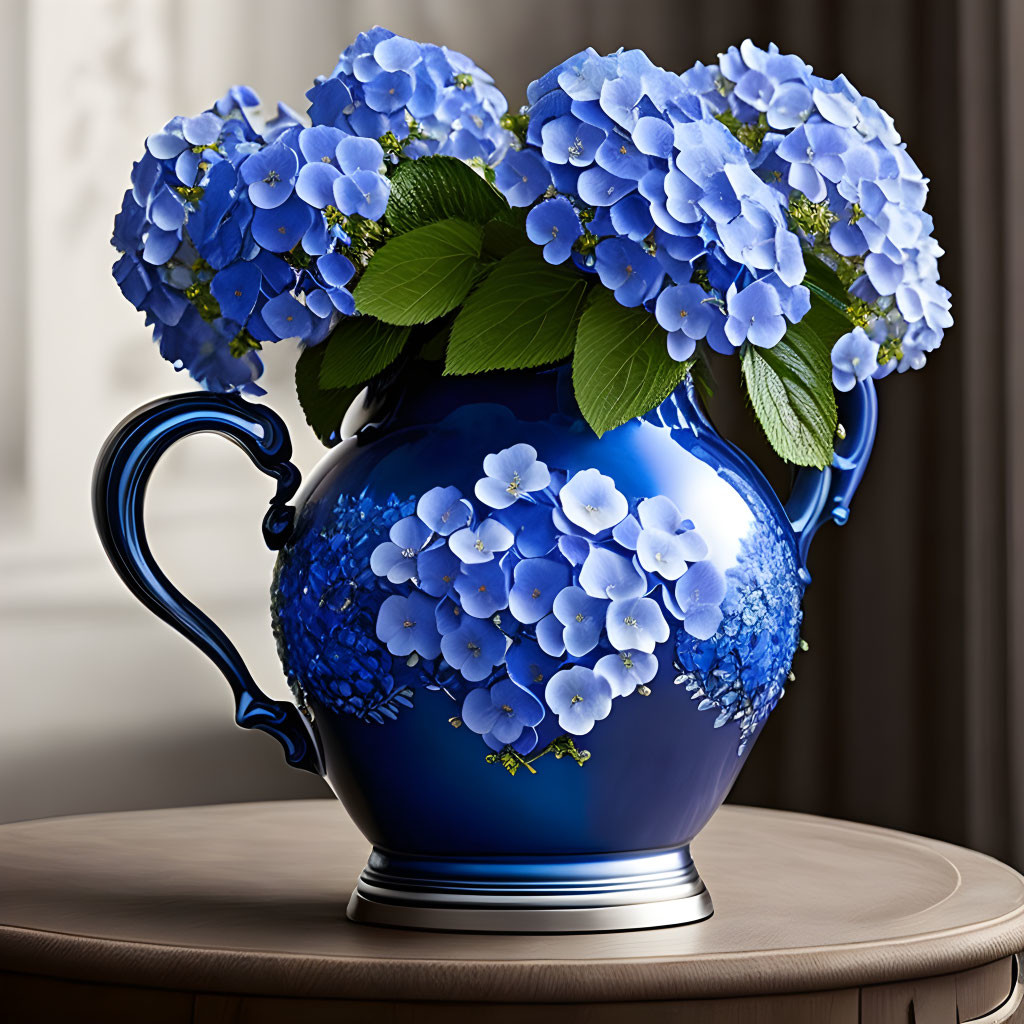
(181, 221)
(419, 98)
(554, 599)
(859, 197)
(697, 195)
(324, 627)
(740, 673)
(237, 233)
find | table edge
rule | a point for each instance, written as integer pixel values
(262, 973)
(672, 977)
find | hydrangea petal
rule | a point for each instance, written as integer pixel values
(287, 317)
(315, 184)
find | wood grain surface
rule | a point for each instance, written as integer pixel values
(247, 901)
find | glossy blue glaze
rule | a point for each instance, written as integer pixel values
(425, 793)
(122, 472)
(822, 496)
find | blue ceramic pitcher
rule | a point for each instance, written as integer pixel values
(566, 826)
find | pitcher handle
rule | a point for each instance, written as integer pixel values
(820, 495)
(119, 488)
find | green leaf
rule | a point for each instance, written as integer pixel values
(435, 341)
(504, 235)
(825, 320)
(703, 377)
(621, 368)
(790, 388)
(823, 282)
(323, 407)
(524, 314)
(421, 275)
(436, 188)
(358, 349)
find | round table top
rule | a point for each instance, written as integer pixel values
(251, 898)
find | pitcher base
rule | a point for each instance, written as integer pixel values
(595, 893)
(661, 914)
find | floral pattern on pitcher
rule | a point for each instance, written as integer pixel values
(544, 600)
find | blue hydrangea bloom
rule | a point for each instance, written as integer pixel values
(636, 624)
(184, 220)
(528, 664)
(520, 595)
(536, 582)
(406, 624)
(502, 710)
(625, 670)
(474, 648)
(511, 473)
(627, 270)
(523, 177)
(482, 588)
(395, 558)
(581, 618)
(579, 697)
(555, 225)
(270, 175)
(239, 217)
(838, 147)
(208, 225)
(444, 510)
(591, 501)
(481, 544)
(755, 315)
(685, 188)
(437, 569)
(383, 83)
(854, 358)
(699, 594)
(611, 576)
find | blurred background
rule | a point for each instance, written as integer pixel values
(909, 709)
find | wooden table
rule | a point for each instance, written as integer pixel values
(236, 913)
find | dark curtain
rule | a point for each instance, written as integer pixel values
(907, 710)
